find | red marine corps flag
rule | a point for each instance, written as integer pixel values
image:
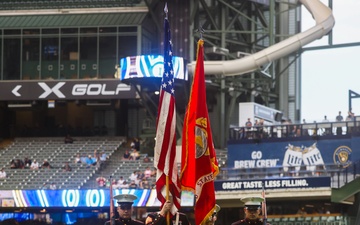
(165, 147)
(199, 165)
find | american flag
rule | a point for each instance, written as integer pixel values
(165, 147)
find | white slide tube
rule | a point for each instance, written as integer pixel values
(324, 23)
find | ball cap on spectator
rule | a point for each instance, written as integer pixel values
(125, 199)
(252, 202)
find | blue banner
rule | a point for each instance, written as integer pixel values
(274, 183)
(309, 153)
(81, 198)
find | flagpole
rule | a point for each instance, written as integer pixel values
(167, 177)
(167, 199)
(112, 214)
(167, 181)
(264, 205)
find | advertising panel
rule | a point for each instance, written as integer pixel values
(65, 89)
(143, 66)
(308, 153)
(273, 183)
(82, 198)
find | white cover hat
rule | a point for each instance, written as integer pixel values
(252, 201)
(125, 198)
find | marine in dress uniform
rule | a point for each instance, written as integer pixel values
(159, 218)
(252, 211)
(124, 209)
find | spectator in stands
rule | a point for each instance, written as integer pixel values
(126, 155)
(2, 173)
(301, 211)
(305, 132)
(52, 186)
(248, 123)
(67, 167)
(27, 162)
(315, 130)
(97, 161)
(146, 159)
(256, 130)
(286, 128)
(90, 161)
(103, 156)
(134, 155)
(132, 144)
(77, 158)
(248, 126)
(19, 164)
(292, 129)
(125, 185)
(46, 165)
(140, 176)
(325, 120)
(260, 129)
(153, 173)
(241, 133)
(327, 131)
(144, 184)
(133, 176)
(101, 181)
(34, 165)
(13, 164)
(119, 182)
(96, 153)
(133, 185)
(83, 158)
(147, 172)
(137, 144)
(110, 182)
(68, 139)
(351, 116)
(339, 118)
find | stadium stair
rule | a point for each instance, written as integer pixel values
(116, 167)
(57, 153)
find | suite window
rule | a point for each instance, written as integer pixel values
(12, 48)
(50, 57)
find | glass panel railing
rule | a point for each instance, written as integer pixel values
(294, 130)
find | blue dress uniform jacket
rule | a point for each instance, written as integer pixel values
(157, 219)
(121, 221)
(249, 222)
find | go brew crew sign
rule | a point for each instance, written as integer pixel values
(69, 90)
(300, 155)
(279, 183)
